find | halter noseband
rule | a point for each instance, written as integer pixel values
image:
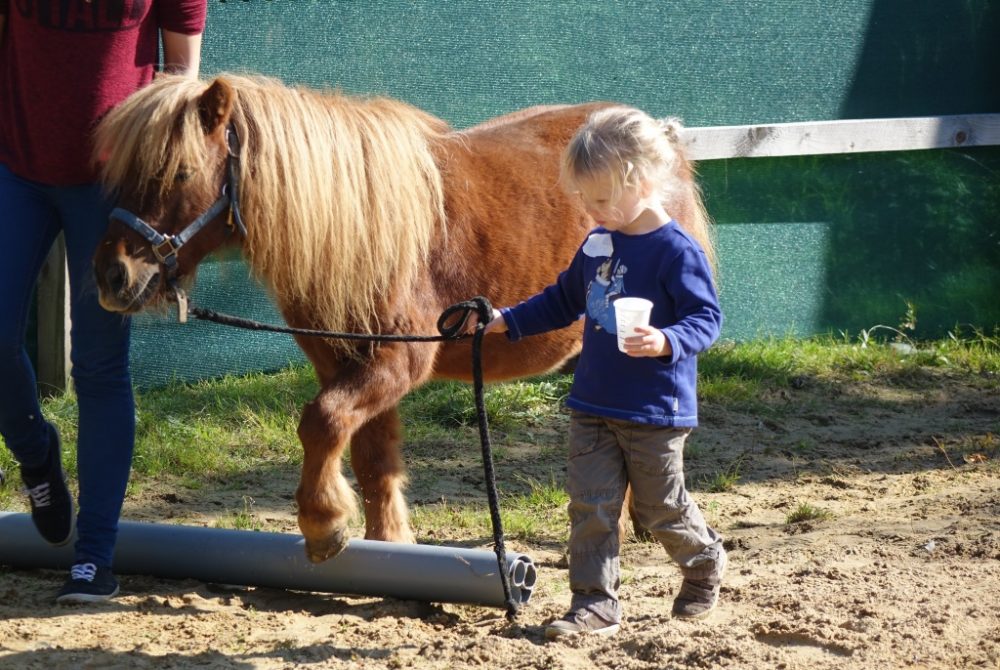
(165, 247)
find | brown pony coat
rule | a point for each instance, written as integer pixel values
(361, 214)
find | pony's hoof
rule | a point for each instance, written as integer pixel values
(318, 551)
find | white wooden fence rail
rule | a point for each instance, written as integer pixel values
(842, 137)
(706, 143)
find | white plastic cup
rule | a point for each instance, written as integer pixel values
(629, 313)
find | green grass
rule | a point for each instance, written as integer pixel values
(537, 515)
(223, 426)
(806, 512)
(241, 519)
(509, 405)
(221, 433)
(725, 480)
(745, 375)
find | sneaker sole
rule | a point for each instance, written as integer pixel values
(555, 633)
(85, 598)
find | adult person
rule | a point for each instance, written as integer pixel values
(62, 66)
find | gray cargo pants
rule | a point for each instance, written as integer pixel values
(604, 455)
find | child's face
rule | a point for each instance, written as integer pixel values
(621, 213)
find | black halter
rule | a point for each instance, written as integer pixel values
(165, 247)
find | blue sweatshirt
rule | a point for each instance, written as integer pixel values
(665, 266)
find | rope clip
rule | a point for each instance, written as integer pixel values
(180, 297)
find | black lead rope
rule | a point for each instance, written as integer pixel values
(452, 324)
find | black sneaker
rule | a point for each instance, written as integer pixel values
(51, 502)
(88, 583)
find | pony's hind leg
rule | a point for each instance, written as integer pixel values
(325, 499)
(379, 469)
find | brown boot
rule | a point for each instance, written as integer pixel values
(698, 597)
(581, 621)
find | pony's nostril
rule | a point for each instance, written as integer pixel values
(115, 276)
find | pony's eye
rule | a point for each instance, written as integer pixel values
(182, 175)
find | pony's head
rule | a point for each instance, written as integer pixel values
(326, 182)
(169, 158)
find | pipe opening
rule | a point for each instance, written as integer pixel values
(520, 573)
(530, 576)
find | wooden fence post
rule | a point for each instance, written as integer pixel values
(53, 323)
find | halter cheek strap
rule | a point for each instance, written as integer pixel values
(233, 179)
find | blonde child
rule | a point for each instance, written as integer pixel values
(631, 412)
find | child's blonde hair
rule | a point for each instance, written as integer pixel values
(628, 146)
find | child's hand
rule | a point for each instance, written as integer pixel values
(647, 341)
(497, 324)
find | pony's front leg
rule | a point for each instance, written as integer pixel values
(325, 498)
(379, 469)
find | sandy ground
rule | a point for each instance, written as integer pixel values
(905, 573)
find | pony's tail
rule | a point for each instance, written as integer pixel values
(698, 225)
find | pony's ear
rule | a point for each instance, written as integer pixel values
(215, 105)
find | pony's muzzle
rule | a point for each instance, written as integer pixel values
(125, 289)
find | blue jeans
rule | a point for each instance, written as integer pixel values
(31, 217)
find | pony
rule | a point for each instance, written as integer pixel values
(360, 214)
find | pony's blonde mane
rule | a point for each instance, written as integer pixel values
(341, 195)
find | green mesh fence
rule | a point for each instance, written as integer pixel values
(896, 230)
(165, 350)
(810, 244)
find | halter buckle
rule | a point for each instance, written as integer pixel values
(168, 244)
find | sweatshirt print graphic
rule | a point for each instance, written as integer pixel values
(607, 285)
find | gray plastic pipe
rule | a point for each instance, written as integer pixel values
(277, 560)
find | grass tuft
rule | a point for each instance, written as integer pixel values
(726, 480)
(806, 512)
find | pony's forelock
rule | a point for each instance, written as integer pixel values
(144, 142)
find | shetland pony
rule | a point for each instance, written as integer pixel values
(364, 215)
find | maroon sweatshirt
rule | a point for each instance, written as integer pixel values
(64, 64)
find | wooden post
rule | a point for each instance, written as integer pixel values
(53, 323)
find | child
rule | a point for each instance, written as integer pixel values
(631, 412)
